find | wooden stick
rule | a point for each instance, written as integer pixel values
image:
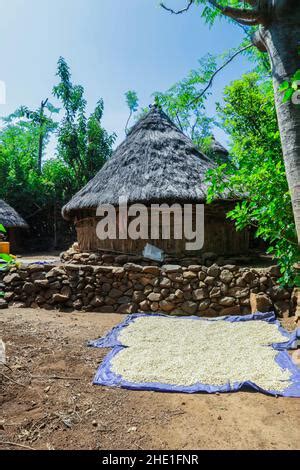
(12, 380)
(8, 443)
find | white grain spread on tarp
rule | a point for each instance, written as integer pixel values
(186, 351)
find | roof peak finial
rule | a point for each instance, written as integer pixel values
(155, 104)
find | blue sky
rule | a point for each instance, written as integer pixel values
(111, 46)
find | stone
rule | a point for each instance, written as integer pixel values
(94, 258)
(41, 283)
(240, 282)
(260, 302)
(171, 268)
(77, 304)
(17, 305)
(97, 301)
(66, 291)
(10, 278)
(105, 287)
(147, 281)
(200, 294)
(155, 270)
(29, 288)
(279, 293)
(209, 313)
(138, 296)
(235, 310)
(189, 275)
(31, 268)
(89, 288)
(213, 271)
(55, 286)
(135, 268)
(55, 272)
(115, 293)
(215, 292)
(282, 308)
(59, 298)
(226, 276)
(3, 304)
(124, 300)
(201, 275)
(230, 267)
(227, 301)
(165, 282)
(153, 297)
(8, 296)
(145, 306)
(194, 267)
(274, 271)
(165, 292)
(127, 308)
(166, 306)
(249, 277)
(209, 280)
(204, 305)
(238, 292)
(154, 306)
(189, 307)
(179, 294)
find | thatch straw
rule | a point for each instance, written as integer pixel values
(9, 217)
(156, 163)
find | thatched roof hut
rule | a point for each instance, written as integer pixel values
(9, 217)
(218, 151)
(156, 163)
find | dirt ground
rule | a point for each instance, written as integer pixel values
(48, 400)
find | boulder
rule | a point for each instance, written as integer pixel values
(153, 297)
(59, 298)
(213, 271)
(227, 301)
(226, 276)
(166, 306)
(200, 294)
(260, 302)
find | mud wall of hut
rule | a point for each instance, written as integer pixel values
(220, 235)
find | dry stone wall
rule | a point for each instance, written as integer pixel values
(171, 289)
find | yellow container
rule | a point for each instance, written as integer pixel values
(5, 248)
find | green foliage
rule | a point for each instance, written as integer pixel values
(83, 144)
(2, 229)
(132, 100)
(6, 261)
(289, 87)
(256, 171)
(183, 104)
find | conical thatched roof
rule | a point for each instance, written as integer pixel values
(218, 150)
(155, 163)
(9, 217)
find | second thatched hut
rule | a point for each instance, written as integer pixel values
(13, 223)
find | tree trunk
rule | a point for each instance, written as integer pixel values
(282, 41)
(40, 154)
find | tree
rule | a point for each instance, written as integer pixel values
(256, 169)
(45, 124)
(83, 144)
(133, 104)
(278, 34)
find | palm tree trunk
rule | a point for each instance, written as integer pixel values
(282, 41)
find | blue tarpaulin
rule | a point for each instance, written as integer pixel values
(105, 375)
